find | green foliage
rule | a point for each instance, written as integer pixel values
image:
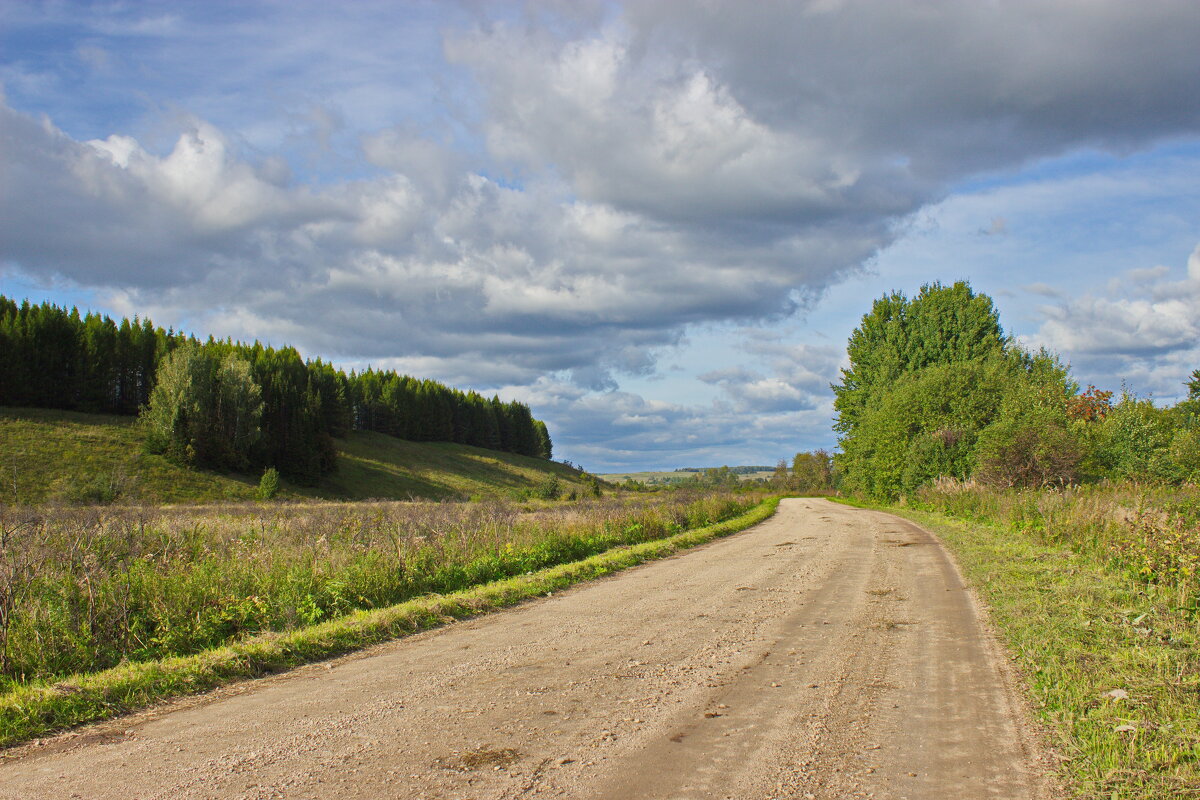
(35, 708)
(99, 488)
(780, 478)
(812, 472)
(941, 325)
(1032, 440)
(1032, 450)
(934, 390)
(545, 447)
(1134, 441)
(715, 477)
(549, 489)
(52, 357)
(1185, 455)
(204, 410)
(926, 425)
(121, 586)
(268, 484)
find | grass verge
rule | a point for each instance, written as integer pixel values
(32, 711)
(1112, 663)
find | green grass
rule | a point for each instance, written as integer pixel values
(32, 710)
(1111, 662)
(65, 456)
(373, 465)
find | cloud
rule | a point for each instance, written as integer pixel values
(618, 430)
(1043, 289)
(428, 261)
(1145, 330)
(552, 196)
(998, 227)
(798, 381)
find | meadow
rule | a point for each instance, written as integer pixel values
(85, 589)
(54, 456)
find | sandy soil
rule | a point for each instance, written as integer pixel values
(829, 652)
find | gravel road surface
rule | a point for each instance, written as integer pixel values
(829, 652)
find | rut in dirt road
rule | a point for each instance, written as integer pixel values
(829, 652)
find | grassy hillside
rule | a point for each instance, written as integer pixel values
(72, 457)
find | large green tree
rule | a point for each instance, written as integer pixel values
(899, 336)
(204, 409)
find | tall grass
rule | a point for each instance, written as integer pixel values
(1150, 532)
(82, 590)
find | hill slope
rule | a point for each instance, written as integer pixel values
(74, 457)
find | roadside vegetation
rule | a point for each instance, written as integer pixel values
(1111, 655)
(110, 610)
(1073, 511)
(87, 589)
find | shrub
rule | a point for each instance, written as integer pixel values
(101, 488)
(549, 489)
(268, 484)
(1028, 453)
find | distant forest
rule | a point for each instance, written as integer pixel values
(231, 405)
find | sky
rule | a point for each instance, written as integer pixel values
(655, 222)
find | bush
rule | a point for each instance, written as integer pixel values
(1134, 442)
(102, 488)
(268, 484)
(1185, 455)
(549, 489)
(1015, 453)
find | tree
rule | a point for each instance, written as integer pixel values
(182, 397)
(924, 426)
(1038, 437)
(1134, 441)
(204, 409)
(941, 325)
(236, 414)
(812, 471)
(780, 478)
(544, 446)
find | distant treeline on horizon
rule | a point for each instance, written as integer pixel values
(52, 357)
(743, 470)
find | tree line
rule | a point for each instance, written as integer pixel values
(934, 388)
(231, 405)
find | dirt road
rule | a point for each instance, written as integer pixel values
(829, 652)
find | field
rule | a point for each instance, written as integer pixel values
(65, 456)
(89, 590)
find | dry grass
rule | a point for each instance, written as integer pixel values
(33, 708)
(86, 589)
